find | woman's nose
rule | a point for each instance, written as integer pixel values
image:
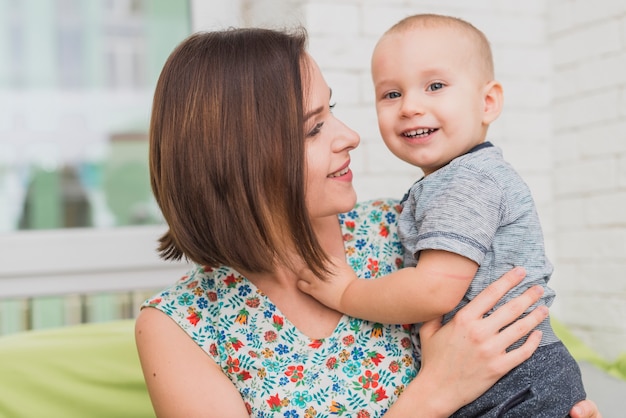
(346, 137)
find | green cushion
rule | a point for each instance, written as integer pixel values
(89, 370)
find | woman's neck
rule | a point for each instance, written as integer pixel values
(308, 315)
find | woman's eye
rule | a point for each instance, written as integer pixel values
(316, 129)
(435, 86)
(392, 95)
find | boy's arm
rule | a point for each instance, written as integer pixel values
(413, 294)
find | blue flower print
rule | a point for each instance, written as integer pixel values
(338, 388)
(186, 299)
(244, 290)
(352, 214)
(282, 349)
(360, 243)
(283, 381)
(352, 368)
(409, 374)
(390, 217)
(202, 303)
(291, 414)
(375, 217)
(357, 353)
(271, 366)
(300, 399)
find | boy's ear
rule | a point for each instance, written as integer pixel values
(493, 98)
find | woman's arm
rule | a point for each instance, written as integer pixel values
(178, 372)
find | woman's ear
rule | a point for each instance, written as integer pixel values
(493, 99)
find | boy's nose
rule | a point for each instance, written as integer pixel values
(411, 105)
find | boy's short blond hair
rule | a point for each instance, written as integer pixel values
(428, 20)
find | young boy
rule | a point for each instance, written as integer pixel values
(470, 219)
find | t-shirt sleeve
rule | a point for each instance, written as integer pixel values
(462, 214)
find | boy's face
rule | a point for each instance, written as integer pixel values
(431, 95)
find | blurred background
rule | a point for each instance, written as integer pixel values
(78, 225)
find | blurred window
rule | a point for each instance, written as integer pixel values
(76, 85)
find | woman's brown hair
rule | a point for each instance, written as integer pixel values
(227, 159)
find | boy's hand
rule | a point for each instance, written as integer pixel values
(329, 291)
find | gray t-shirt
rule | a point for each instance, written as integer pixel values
(479, 207)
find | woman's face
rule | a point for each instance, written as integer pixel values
(328, 144)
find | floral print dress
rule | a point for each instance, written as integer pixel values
(358, 371)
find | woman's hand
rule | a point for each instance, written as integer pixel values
(465, 357)
(585, 409)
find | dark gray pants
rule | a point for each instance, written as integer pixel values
(546, 385)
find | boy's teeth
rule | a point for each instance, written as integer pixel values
(419, 132)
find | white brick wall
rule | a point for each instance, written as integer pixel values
(563, 67)
(588, 46)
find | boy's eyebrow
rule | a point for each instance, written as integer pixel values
(318, 110)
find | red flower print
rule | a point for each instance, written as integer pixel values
(363, 414)
(194, 318)
(394, 367)
(350, 225)
(155, 302)
(212, 296)
(369, 380)
(243, 376)
(230, 281)
(372, 266)
(278, 322)
(384, 230)
(233, 365)
(375, 357)
(331, 363)
(207, 269)
(192, 284)
(405, 342)
(398, 208)
(213, 350)
(379, 395)
(399, 262)
(316, 343)
(348, 237)
(235, 343)
(348, 340)
(253, 302)
(270, 336)
(248, 408)
(275, 403)
(295, 373)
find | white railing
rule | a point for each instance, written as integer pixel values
(79, 264)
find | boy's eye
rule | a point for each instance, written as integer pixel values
(435, 86)
(392, 95)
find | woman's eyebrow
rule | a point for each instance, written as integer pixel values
(318, 110)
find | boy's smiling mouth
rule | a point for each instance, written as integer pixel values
(418, 133)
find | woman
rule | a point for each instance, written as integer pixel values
(251, 171)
